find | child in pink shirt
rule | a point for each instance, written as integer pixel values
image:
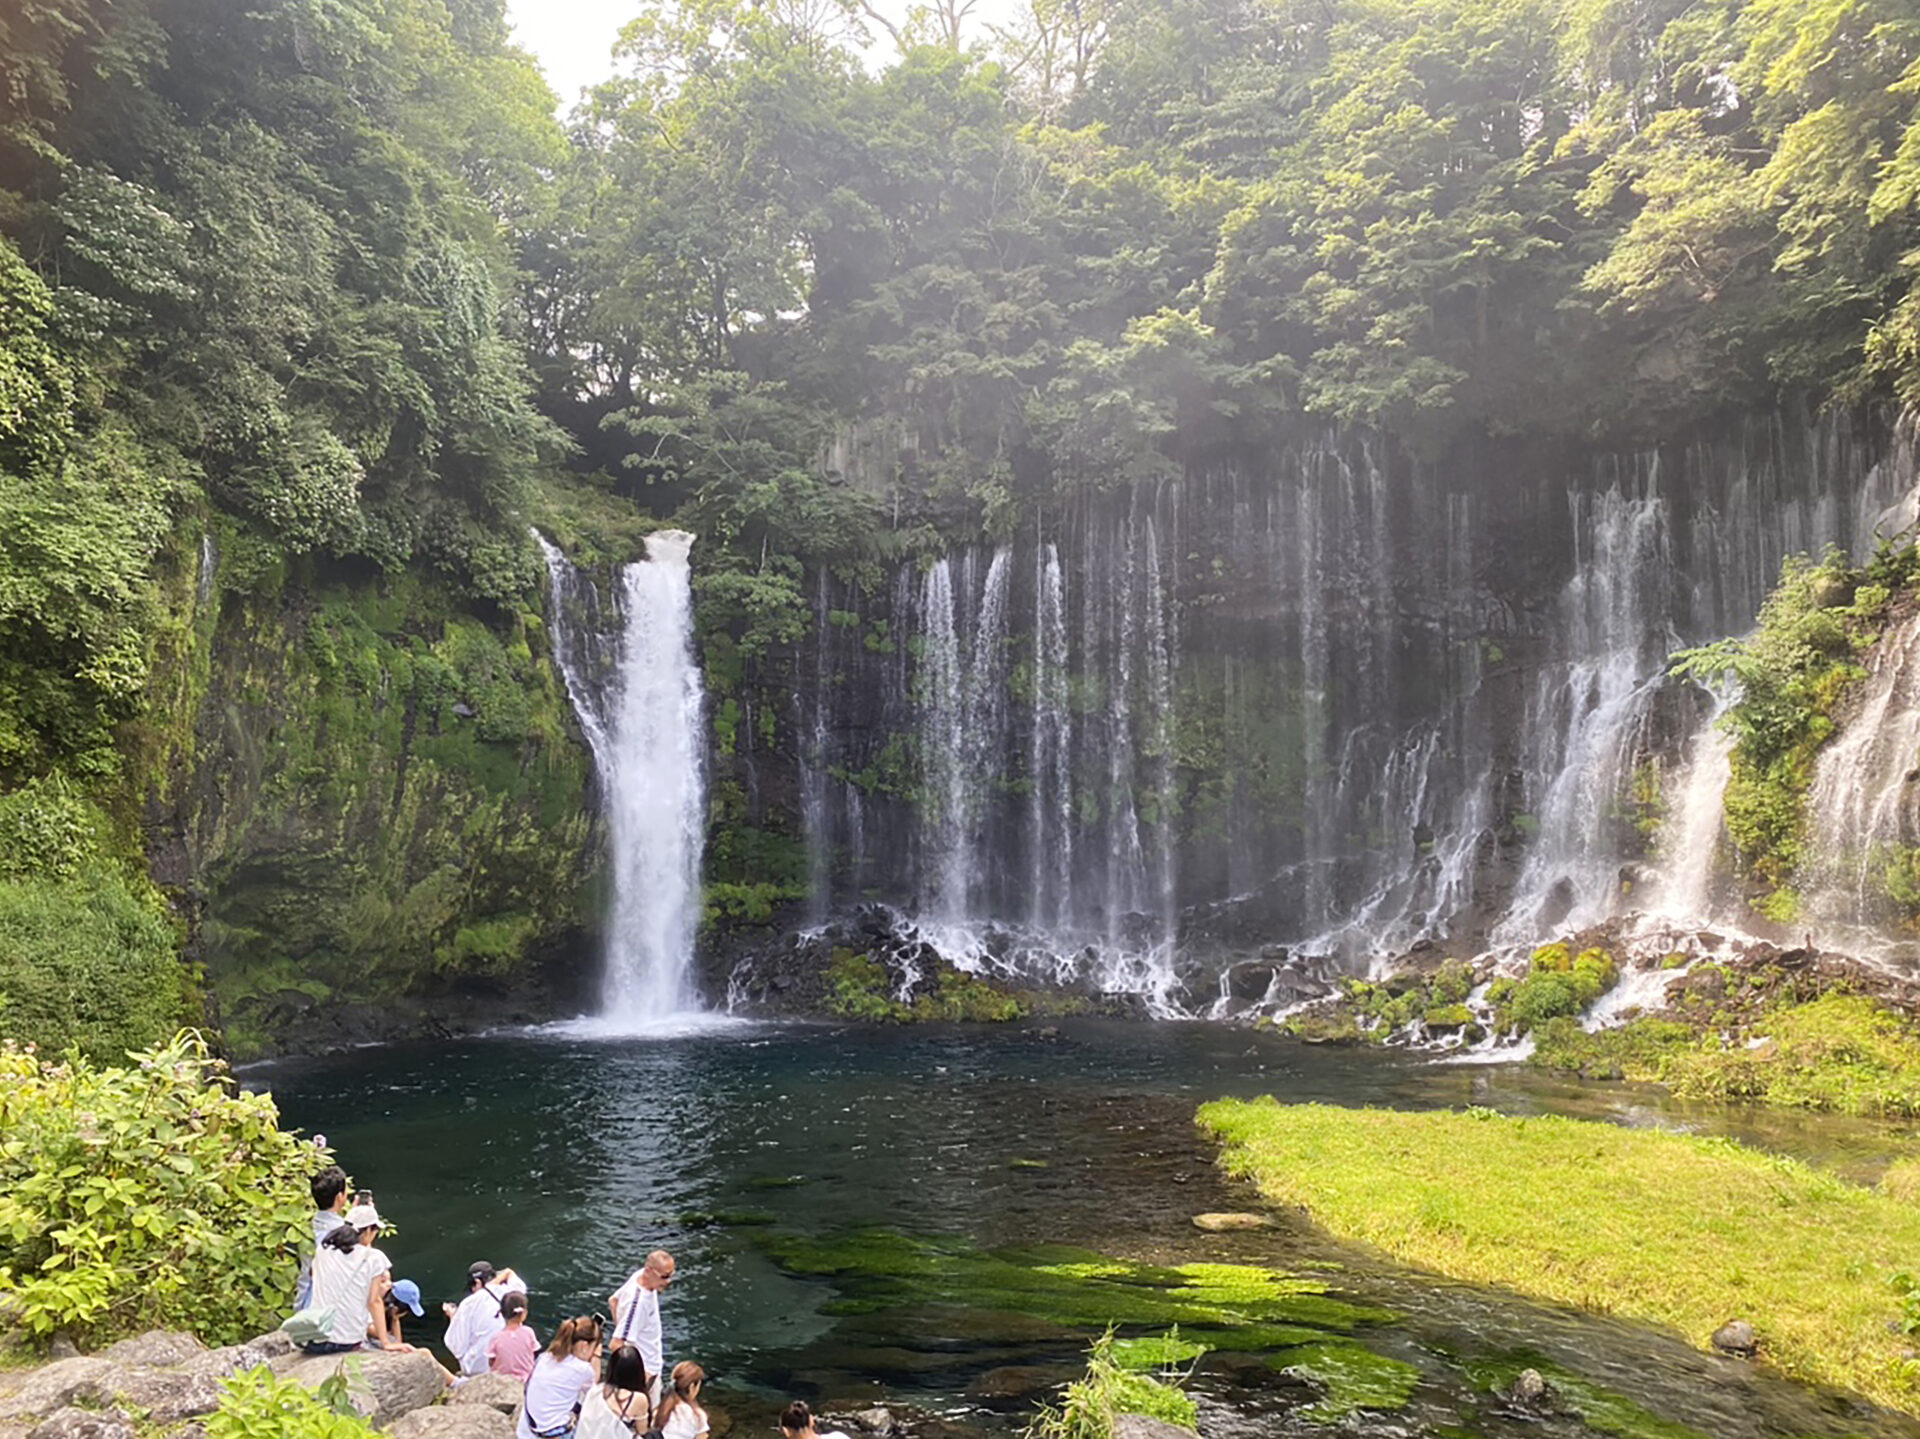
(513, 1349)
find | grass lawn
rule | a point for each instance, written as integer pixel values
(1681, 1230)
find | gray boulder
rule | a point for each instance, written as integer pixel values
(157, 1346)
(496, 1391)
(1737, 1337)
(71, 1423)
(453, 1421)
(1531, 1389)
(1140, 1426)
(59, 1384)
(382, 1384)
(231, 1359)
(168, 1395)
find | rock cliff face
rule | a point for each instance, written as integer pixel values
(1332, 700)
(375, 813)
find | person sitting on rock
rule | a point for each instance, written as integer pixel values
(796, 1422)
(329, 1189)
(479, 1316)
(513, 1349)
(560, 1381)
(679, 1415)
(350, 1280)
(404, 1295)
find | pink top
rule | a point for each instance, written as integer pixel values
(512, 1351)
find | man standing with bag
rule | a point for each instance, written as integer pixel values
(635, 1307)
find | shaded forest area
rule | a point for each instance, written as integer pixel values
(321, 294)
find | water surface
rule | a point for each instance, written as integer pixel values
(569, 1157)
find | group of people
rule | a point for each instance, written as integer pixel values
(600, 1377)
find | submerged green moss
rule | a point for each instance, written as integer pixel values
(1599, 1409)
(1243, 1307)
(1349, 1377)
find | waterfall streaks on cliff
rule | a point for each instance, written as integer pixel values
(1863, 810)
(630, 672)
(1324, 709)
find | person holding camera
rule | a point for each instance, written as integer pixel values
(560, 1381)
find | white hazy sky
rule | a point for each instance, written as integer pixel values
(572, 38)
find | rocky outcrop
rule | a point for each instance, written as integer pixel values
(164, 1383)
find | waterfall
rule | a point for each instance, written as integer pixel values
(636, 689)
(1690, 837)
(209, 568)
(1584, 724)
(1050, 823)
(1863, 809)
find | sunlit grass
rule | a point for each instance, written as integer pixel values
(1671, 1228)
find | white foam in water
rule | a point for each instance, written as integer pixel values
(638, 694)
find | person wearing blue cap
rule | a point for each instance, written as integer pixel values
(404, 1294)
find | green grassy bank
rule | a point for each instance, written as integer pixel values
(1670, 1228)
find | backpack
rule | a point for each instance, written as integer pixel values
(311, 1325)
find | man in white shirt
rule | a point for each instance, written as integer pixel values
(478, 1317)
(635, 1307)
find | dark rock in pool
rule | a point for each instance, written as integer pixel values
(1531, 1391)
(1016, 1383)
(1250, 980)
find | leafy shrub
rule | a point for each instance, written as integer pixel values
(1090, 1405)
(156, 1196)
(87, 963)
(47, 830)
(257, 1404)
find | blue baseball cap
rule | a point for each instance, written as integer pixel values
(408, 1293)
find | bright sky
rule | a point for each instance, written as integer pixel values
(573, 39)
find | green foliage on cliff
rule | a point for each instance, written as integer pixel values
(153, 1195)
(417, 823)
(1793, 672)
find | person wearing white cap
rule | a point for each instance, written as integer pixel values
(351, 1278)
(478, 1317)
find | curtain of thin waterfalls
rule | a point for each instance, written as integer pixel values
(1335, 704)
(637, 691)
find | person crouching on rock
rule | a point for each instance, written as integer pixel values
(796, 1422)
(560, 1381)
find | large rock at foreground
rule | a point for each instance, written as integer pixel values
(499, 1391)
(382, 1384)
(453, 1421)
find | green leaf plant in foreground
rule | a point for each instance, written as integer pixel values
(258, 1404)
(1669, 1228)
(152, 1196)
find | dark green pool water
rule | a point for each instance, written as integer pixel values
(739, 1146)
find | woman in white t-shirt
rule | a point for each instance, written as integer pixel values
(350, 1279)
(680, 1415)
(560, 1380)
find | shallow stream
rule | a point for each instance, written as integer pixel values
(935, 1216)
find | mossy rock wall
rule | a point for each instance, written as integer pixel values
(379, 820)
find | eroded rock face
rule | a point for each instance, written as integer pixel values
(160, 1346)
(71, 1423)
(498, 1391)
(382, 1385)
(55, 1386)
(453, 1421)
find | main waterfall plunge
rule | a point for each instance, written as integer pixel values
(636, 688)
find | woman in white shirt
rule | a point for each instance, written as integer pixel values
(680, 1415)
(560, 1380)
(350, 1279)
(620, 1408)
